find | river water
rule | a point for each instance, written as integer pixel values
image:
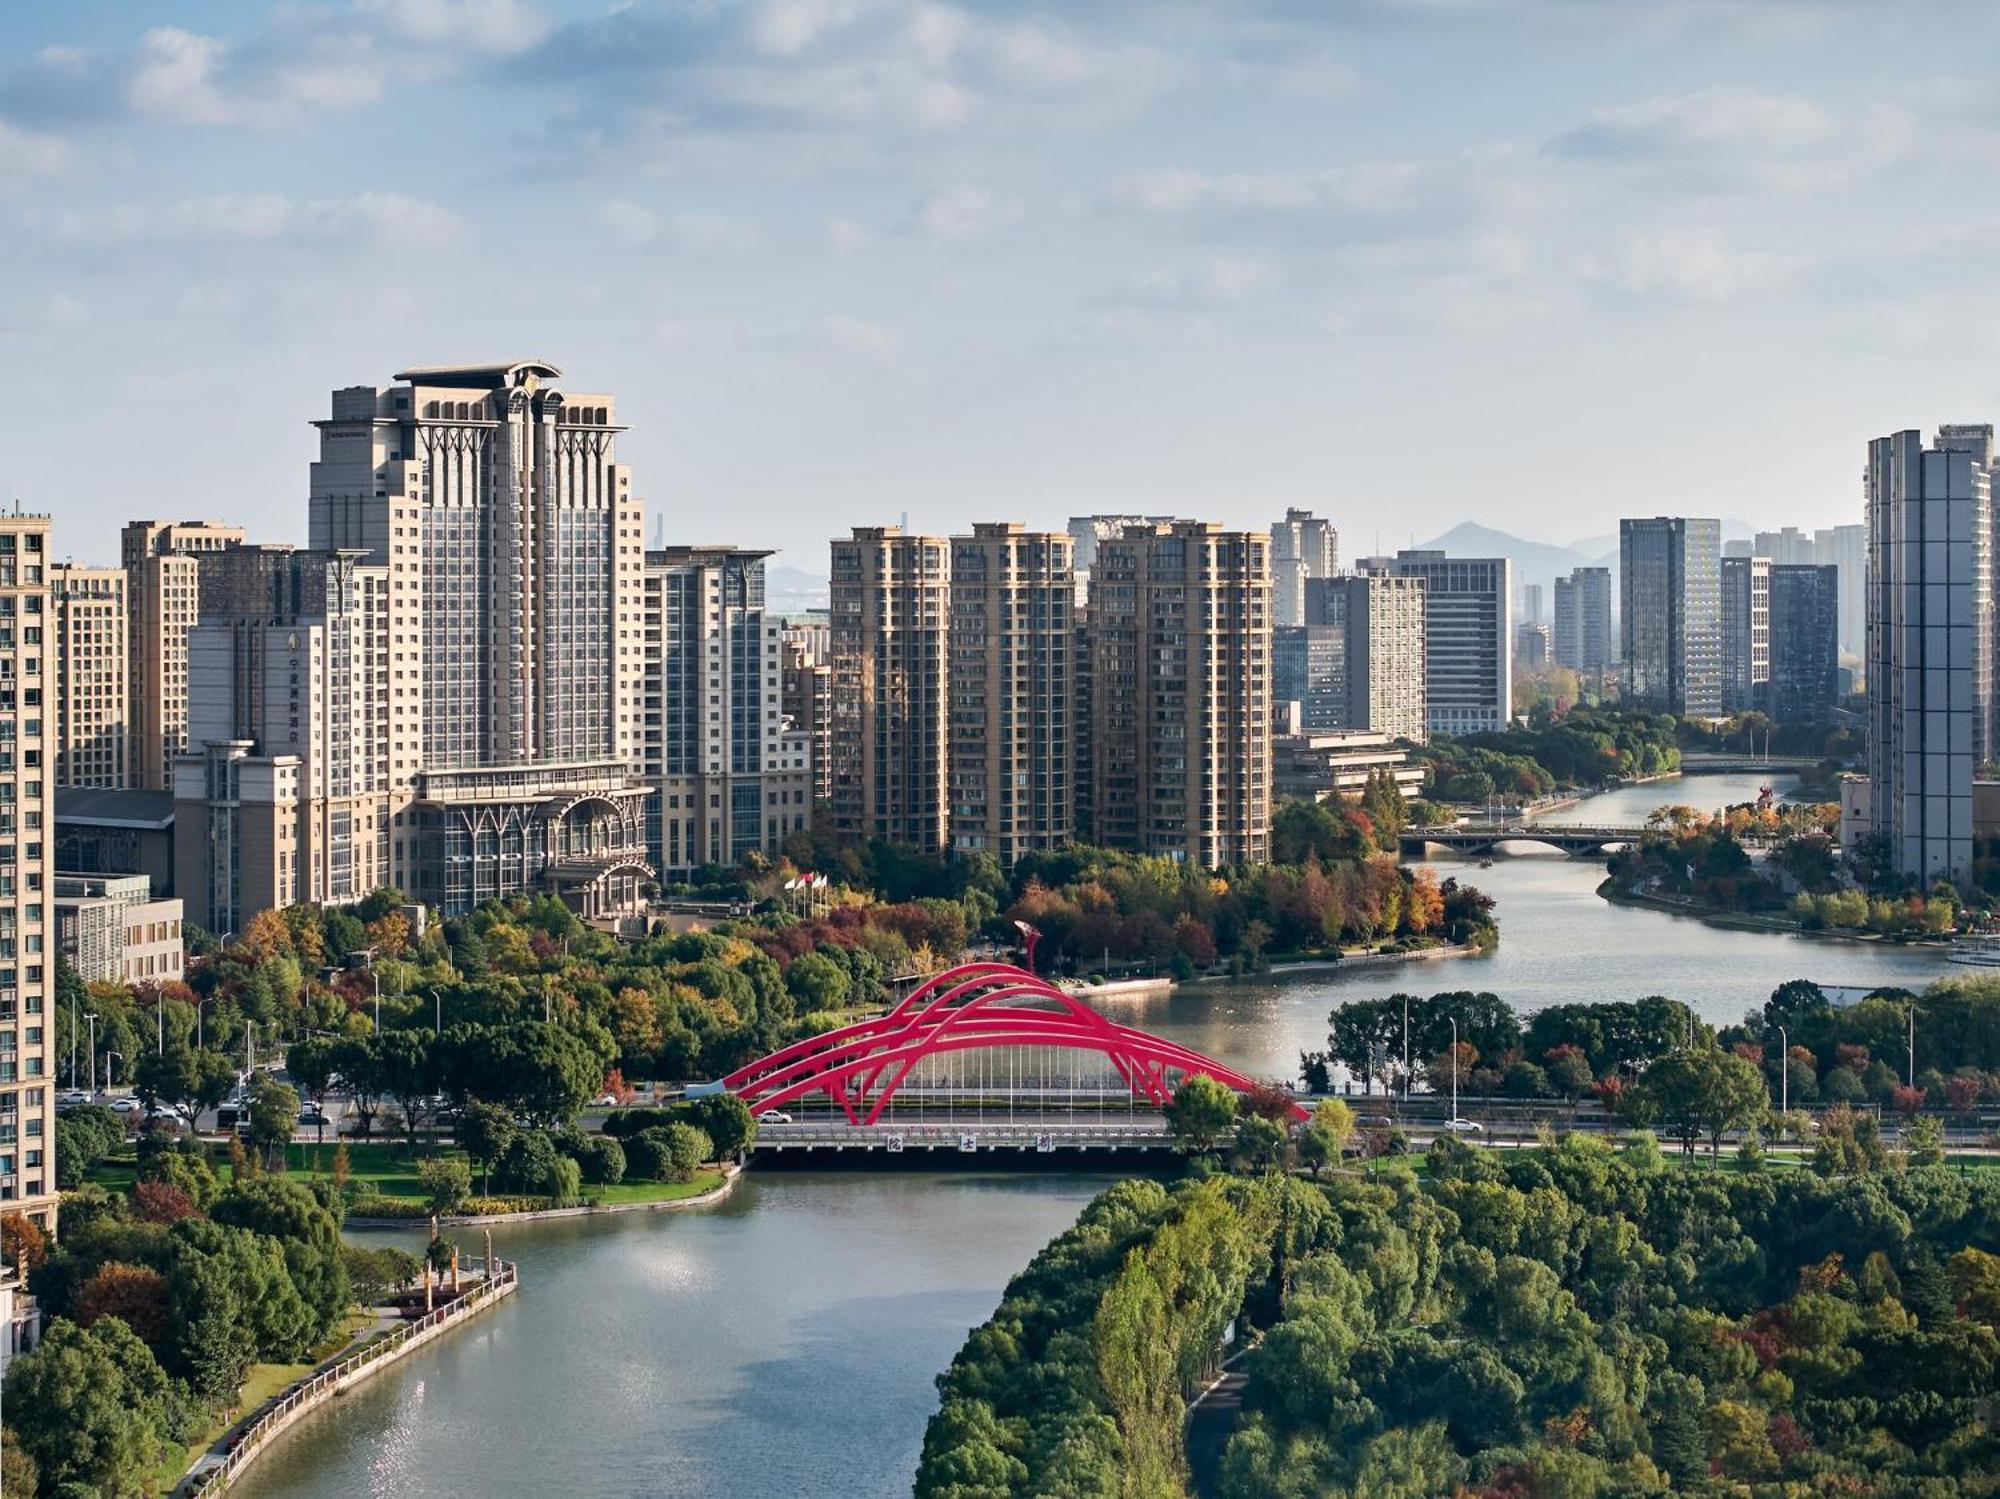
(786, 1341)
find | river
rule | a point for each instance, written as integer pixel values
(787, 1340)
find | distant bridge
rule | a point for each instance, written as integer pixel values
(982, 1037)
(1718, 763)
(1589, 842)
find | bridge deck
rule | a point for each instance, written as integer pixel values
(968, 1136)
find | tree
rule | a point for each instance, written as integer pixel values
(274, 1114)
(1324, 1139)
(212, 1344)
(188, 1081)
(686, 1148)
(374, 1273)
(83, 1407)
(1201, 1111)
(22, 1243)
(447, 1182)
(135, 1294)
(310, 1061)
(544, 1073)
(1923, 1141)
(406, 1065)
(1262, 1143)
(1702, 1092)
(726, 1120)
(485, 1130)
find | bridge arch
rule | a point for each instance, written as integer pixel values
(973, 1007)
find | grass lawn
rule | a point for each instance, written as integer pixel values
(704, 1181)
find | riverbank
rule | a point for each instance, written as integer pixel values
(237, 1448)
(1749, 921)
(1152, 988)
(695, 1199)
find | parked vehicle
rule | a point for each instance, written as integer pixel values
(774, 1116)
(1465, 1126)
(126, 1105)
(230, 1115)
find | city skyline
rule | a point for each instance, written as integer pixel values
(907, 238)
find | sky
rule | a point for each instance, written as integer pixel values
(1534, 263)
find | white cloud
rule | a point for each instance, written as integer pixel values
(1693, 265)
(496, 27)
(380, 220)
(785, 28)
(856, 335)
(1217, 281)
(25, 153)
(719, 234)
(630, 222)
(1369, 189)
(846, 235)
(964, 212)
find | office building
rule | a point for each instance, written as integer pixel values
(730, 776)
(1308, 673)
(1012, 692)
(1180, 693)
(1746, 632)
(1804, 678)
(1303, 547)
(27, 873)
(116, 832)
(1468, 638)
(163, 594)
(1846, 547)
(891, 623)
(112, 929)
(284, 793)
(1365, 662)
(1927, 601)
(1531, 604)
(1581, 638)
(1671, 610)
(93, 728)
(1975, 440)
(1320, 767)
(1531, 646)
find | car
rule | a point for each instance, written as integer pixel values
(1465, 1126)
(605, 1101)
(774, 1116)
(311, 1118)
(1373, 1121)
(227, 1116)
(126, 1105)
(75, 1098)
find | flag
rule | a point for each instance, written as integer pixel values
(791, 884)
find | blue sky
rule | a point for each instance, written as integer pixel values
(1537, 263)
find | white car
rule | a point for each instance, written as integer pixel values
(125, 1105)
(75, 1098)
(774, 1116)
(1465, 1126)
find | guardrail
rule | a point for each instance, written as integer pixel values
(968, 1135)
(251, 1441)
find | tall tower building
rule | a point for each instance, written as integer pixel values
(1531, 603)
(1788, 546)
(1975, 440)
(1468, 638)
(1927, 602)
(1013, 699)
(27, 876)
(1303, 547)
(1181, 681)
(1670, 570)
(284, 794)
(1804, 683)
(1746, 632)
(891, 621)
(1846, 547)
(730, 776)
(806, 696)
(1364, 670)
(93, 726)
(163, 593)
(1581, 639)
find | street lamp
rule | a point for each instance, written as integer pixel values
(200, 1004)
(91, 1016)
(1913, 1043)
(1454, 1068)
(377, 978)
(1784, 1071)
(438, 1000)
(1406, 1050)
(108, 1055)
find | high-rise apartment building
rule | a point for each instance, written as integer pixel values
(805, 650)
(1581, 638)
(1531, 646)
(1746, 632)
(92, 687)
(1804, 681)
(1180, 687)
(1671, 577)
(1012, 691)
(1787, 546)
(1468, 638)
(284, 795)
(1531, 604)
(730, 775)
(27, 872)
(1086, 531)
(469, 616)
(891, 622)
(1846, 547)
(163, 593)
(1366, 669)
(1303, 547)
(1927, 601)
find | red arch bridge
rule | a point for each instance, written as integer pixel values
(984, 1054)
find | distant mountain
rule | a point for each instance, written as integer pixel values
(793, 590)
(1534, 561)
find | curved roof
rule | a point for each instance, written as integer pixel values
(479, 376)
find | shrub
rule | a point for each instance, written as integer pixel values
(532, 1166)
(686, 1148)
(447, 1182)
(602, 1161)
(646, 1156)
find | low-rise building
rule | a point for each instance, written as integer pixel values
(112, 929)
(1318, 767)
(116, 832)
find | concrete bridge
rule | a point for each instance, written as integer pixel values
(1587, 842)
(1722, 761)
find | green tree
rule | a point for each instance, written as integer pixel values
(485, 1130)
(447, 1182)
(85, 1406)
(1262, 1144)
(188, 1081)
(406, 1065)
(1324, 1138)
(274, 1114)
(1923, 1141)
(1704, 1092)
(686, 1148)
(1200, 1113)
